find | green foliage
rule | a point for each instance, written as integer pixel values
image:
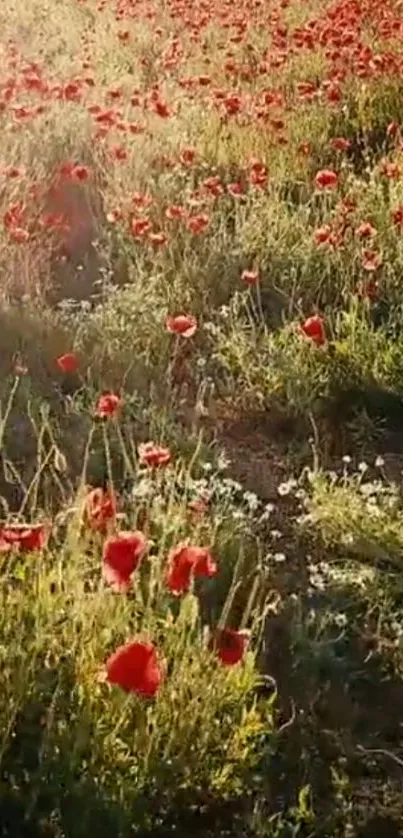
(361, 515)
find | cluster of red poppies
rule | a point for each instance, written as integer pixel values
(242, 86)
(135, 666)
(122, 555)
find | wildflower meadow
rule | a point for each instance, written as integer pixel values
(201, 418)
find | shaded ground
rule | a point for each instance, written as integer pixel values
(342, 709)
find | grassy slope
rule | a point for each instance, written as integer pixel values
(160, 159)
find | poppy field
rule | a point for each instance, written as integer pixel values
(201, 418)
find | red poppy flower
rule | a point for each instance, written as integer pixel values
(323, 235)
(14, 171)
(161, 108)
(326, 179)
(340, 144)
(14, 216)
(100, 508)
(135, 668)
(121, 556)
(197, 224)
(366, 230)
(371, 260)
(182, 324)
(153, 455)
(80, 173)
(390, 169)
(213, 186)
(187, 156)
(108, 405)
(26, 538)
(186, 561)
(68, 363)
(258, 174)
(230, 645)
(235, 189)
(204, 564)
(250, 277)
(314, 329)
(157, 239)
(333, 94)
(19, 235)
(114, 215)
(140, 226)
(232, 104)
(71, 92)
(66, 169)
(397, 216)
(175, 211)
